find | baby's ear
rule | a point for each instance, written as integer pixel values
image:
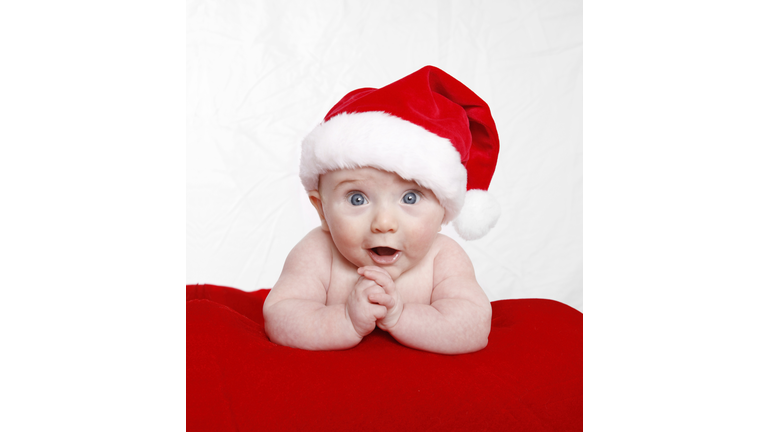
(317, 202)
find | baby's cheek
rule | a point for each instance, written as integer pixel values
(422, 242)
(348, 245)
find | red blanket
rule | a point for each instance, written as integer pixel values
(528, 378)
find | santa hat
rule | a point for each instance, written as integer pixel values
(427, 127)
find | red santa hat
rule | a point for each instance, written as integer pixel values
(427, 127)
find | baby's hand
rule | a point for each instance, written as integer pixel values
(388, 296)
(360, 311)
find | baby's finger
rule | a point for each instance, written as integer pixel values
(364, 284)
(379, 312)
(383, 299)
(375, 289)
(381, 277)
(368, 269)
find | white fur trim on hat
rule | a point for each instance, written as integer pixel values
(480, 213)
(389, 143)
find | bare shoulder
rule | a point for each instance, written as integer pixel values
(450, 258)
(307, 269)
(314, 247)
(454, 275)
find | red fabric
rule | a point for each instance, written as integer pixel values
(441, 104)
(528, 378)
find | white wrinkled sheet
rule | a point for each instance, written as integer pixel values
(261, 74)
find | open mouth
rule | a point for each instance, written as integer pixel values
(383, 255)
(384, 251)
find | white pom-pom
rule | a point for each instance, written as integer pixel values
(480, 213)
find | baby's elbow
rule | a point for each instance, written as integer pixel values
(482, 343)
(479, 342)
(483, 330)
(279, 335)
(268, 328)
(486, 317)
(482, 340)
(477, 328)
(477, 337)
(270, 325)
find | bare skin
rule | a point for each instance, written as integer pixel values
(377, 260)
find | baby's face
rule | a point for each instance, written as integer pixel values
(377, 218)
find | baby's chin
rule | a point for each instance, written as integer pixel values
(403, 265)
(393, 272)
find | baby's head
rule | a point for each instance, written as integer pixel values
(378, 218)
(426, 130)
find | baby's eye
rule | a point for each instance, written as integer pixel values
(357, 199)
(411, 198)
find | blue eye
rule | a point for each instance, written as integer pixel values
(411, 198)
(357, 199)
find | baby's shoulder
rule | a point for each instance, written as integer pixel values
(306, 271)
(317, 239)
(454, 276)
(450, 258)
(444, 245)
(314, 251)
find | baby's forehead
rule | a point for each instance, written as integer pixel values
(363, 174)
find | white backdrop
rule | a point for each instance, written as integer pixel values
(262, 74)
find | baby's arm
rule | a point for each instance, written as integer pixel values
(458, 320)
(295, 313)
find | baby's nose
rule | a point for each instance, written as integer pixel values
(384, 221)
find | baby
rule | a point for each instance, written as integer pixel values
(385, 170)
